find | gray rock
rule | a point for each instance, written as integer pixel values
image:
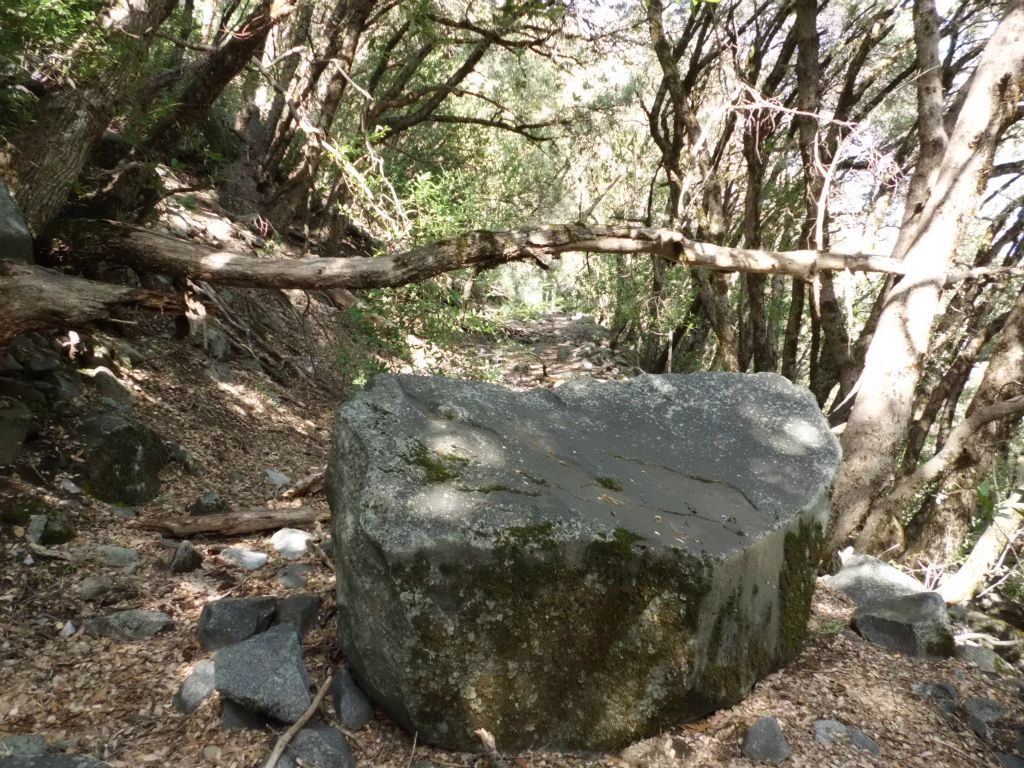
(181, 455)
(15, 240)
(491, 531)
(866, 579)
(186, 558)
(279, 480)
(266, 673)
(133, 624)
(15, 420)
(53, 760)
(107, 384)
(244, 558)
(293, 576)
(984, 659)
(94, 587)
(196, 688)
(984, 709)
(944, 695)
(833, 731)
(765, 742)
(235, 717)
(328, 547)
(209, 503)
(916, 625)
(320, 746)
(234, 619)
(23, 746)
(122, 459)
(1010, 761)
(291, 543)
(125, 513)
(298, 610)
(352, 705)
(121, 557)
(54, 527)
(59, 385)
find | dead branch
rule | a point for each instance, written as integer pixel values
(287, 736)
(235, 523)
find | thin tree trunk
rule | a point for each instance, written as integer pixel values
(881, 415)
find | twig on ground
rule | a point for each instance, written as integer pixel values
(288, 735)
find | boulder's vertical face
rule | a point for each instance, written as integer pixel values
(575, 568)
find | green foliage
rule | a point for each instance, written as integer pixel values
(367, 344)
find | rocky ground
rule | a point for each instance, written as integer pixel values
(84, 692)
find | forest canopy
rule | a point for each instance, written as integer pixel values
(830, 191)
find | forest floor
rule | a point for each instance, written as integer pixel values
(113, 700)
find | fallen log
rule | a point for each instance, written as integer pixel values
(236, 523)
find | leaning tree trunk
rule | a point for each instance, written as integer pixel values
(938, 535)
(881, 414)
(50, 153)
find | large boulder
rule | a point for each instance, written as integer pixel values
(866, 579)
(576, 568)
(917, 625)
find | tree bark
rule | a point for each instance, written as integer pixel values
(961, 586)
(881, 414)
(50, 154)
(235, 523)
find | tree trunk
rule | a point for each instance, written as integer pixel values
(961, 586)
(937, 536)
(50, 154)
(881, 415)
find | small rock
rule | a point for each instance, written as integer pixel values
(917, 625)
(133, 624)
(209, 503)
(321, 746)
(235, 717)
(179, 454)
(984, 709)
(186, 558)
(125, 513)
(266, 673)
(765, 742)
(984, 659)
(50, 529)
(94, 587)
(866, 579)
(244, 558)
(23, 746)
(1010, 761)
(279, 480)
(861, 740)
(121, 557)
(211, 752)
(293, 576)
(68, 629)
(832, 731)
(291, 542)
(69, 486)
(107, 384)
(196, 687)
(122, 458)
(298, 610)
(352, 705)
(944, 695)
(234, 619)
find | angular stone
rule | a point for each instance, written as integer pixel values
(984, 659)
(244, 558)
(266, 673)
(15, 240)
(234, 619)
(298, 610)
(916, 625)
(351, 704)
(209, 503)
(574, 567)
(186, 558)
(861, 740)
(23, 746)
(94, 587)
(321, 746)
(279, 480)
(765, 742)
(122, 459)
(291, 543)
(54, 527)
(195, 688)
(107, 384)
(944, 695)
(15, 420)
(984, 709)
(293, 576)
(833, 731)
(128, 625)
(866, 579)
(122, 557)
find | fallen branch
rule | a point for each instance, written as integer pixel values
(287, 736)
(234, 523)
(306, 485)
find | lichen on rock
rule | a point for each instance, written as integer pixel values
(580, 568)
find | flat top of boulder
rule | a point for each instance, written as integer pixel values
(705, 463)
